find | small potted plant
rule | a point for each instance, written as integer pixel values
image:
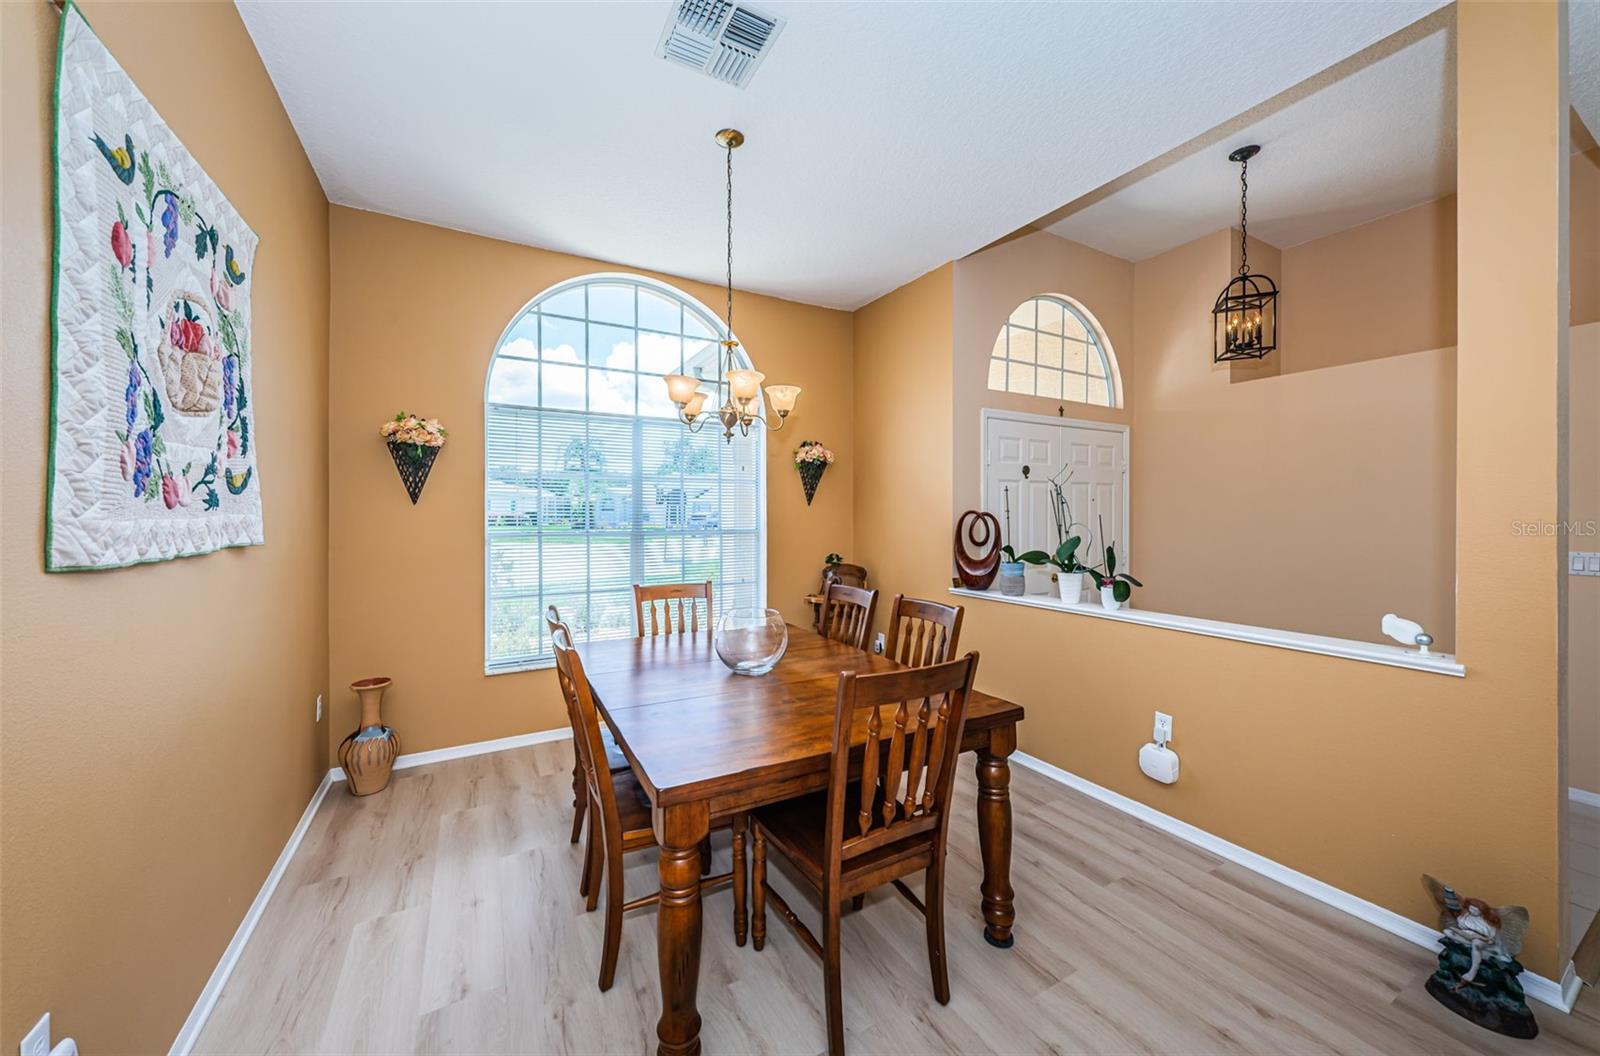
(1012, 569)
(1070, 572)
(1115, 587)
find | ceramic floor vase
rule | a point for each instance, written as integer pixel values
(368, 754)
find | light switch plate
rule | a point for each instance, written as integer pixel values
(1583, 562)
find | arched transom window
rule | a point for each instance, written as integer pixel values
(591, 484)
(1054, 348)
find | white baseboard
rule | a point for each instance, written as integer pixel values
(184, 1042)
(1560, 995)
(1588, 799)
(462, 751)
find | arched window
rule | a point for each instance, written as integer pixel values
(591, 484)
(1052, 347)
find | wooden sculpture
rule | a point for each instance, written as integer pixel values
(977, 571)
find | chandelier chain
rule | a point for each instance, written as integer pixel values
(1244, 217)
(730, 241)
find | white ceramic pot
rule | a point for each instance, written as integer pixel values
(1108, 599)
(1071, 586)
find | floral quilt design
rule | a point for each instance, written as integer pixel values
(152, 443)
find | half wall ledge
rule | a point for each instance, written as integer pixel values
(1344, 648)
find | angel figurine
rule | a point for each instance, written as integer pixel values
(1478, 968)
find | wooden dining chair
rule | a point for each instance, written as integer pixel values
(891, 823)
(615, 760)
(622, 810)
(847, 614)
(922, 632)
(660, 596)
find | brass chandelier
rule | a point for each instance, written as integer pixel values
(741, 408)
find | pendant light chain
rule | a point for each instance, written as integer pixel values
(730, 241)
(744, 405)
(1244, 217)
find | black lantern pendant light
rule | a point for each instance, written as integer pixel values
(1245, 318)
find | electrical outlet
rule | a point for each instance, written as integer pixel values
(319, 707)
(879, 644)
(1163, 731)
(37, 1041)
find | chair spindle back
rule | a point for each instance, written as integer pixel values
(847, 614)
(922, 632)
(914, 721)
(583, 715)
(660, 597)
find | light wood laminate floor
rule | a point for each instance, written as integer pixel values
(442, 916)
(1583, 867)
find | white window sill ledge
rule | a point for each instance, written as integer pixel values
(512, 669)
(1345, 648)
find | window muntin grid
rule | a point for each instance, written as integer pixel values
(1051, 348)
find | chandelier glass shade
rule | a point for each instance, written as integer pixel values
(1245, 317)
(738, 388)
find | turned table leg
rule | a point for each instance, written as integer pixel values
(679, 831)
(994, 835)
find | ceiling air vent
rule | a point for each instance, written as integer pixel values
(719, 38)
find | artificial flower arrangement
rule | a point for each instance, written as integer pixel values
(406, 428)
(812, 460)
(413, 443)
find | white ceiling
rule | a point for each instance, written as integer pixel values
(1378, 141)
(884, 138)
(1583, 62)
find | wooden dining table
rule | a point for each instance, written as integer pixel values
(706, 743)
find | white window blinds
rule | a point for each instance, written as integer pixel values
(591, 484)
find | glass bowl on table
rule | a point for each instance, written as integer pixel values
(751, 641)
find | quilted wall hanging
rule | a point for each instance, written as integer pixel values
(152, 440)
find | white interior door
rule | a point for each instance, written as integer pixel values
(1097, 490)
(1023, 454)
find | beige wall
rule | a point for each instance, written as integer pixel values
(1585, 245)
(988, 286)
(903, 438)
(1361, 805)
(1386, 288)
(417, 311)
(1278, 502)
(1583, 592)
(158, 740)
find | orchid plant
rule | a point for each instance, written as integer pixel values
(1121, 583)
(1065, 558)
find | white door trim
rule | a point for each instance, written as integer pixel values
(989, 414)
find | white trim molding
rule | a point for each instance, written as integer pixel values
(462, 751)
(1583, 797)
(1345, 648)
(183, 1044)
(190, 1032)
(1560, 995)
